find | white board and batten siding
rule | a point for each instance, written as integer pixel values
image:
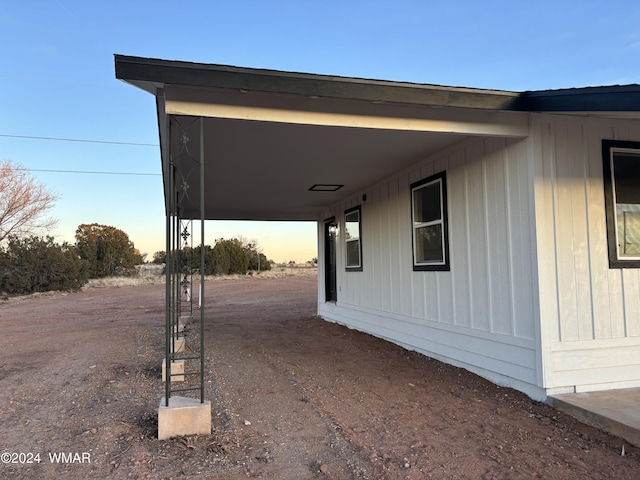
(530, 300)
(590, 314)
(483, 313)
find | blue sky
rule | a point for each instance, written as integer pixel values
(57, 79)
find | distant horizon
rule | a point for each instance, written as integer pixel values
(281, 242)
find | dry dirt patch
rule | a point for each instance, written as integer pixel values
(293, 397)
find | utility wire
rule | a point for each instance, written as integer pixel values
(29, 137)
(89, 172)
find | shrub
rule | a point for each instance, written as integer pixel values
(229, 257)
(108, 251)
(160, 257)
(36, 264)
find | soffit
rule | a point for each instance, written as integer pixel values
(263, 151)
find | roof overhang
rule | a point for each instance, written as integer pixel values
(263, 138)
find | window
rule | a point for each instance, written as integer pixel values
(352, 234)
(621, 175)
(429, 220)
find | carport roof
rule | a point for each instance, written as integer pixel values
(267, 137)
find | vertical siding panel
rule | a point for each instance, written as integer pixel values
(385, 251)
(430, 295)
(393, 251)
(632, 305)
(479, 269)
(521, 272)
(597, 228)
(497, 232)
(631, 284)
(374, 249)
(577, 183)
(458, 233)
(467, 321)
(616, 302)
(564, 239)
(545, 205)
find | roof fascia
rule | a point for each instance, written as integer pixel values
(619, 98)
(152, 74)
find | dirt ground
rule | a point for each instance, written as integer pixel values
(293, 397)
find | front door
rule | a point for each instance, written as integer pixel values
(330, 282)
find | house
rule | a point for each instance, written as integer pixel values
(497, 231)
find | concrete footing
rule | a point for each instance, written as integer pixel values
(177, 370)
(183, 416)
(179, 327)
(178, 345)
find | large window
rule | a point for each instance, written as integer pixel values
(429, 220)
(352, 236)
(621, 174)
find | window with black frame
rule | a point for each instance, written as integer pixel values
(352, 238)
(429, 222)
(621, 175)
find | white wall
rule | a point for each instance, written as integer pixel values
(483, 314)
(530, 300)
(590, 314)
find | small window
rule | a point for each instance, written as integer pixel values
(621, 175)
(352, 235)
(429, 220)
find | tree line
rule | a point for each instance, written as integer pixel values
(30, 263)
(225, 257)
(34, 264)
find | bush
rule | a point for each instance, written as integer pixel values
(108, 251)
(259, 262)
(36, 264)
(229, 257)
(160, 257)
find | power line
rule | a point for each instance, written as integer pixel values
(29, 137)
(88, 172)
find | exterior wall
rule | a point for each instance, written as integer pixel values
(590, 314)
(482, 314)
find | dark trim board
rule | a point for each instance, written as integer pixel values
(153, 74)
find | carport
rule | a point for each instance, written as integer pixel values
(253, 144)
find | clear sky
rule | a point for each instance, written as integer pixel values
(57, 79)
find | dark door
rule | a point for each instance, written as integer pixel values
(330, 232)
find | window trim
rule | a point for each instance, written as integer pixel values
(608, 148)
(440, 178)
(355, 268)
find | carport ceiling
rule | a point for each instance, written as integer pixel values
(264, 170)
(268, 137)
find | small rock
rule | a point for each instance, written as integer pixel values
(324, 469)
(247, 422)
(407, 465)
